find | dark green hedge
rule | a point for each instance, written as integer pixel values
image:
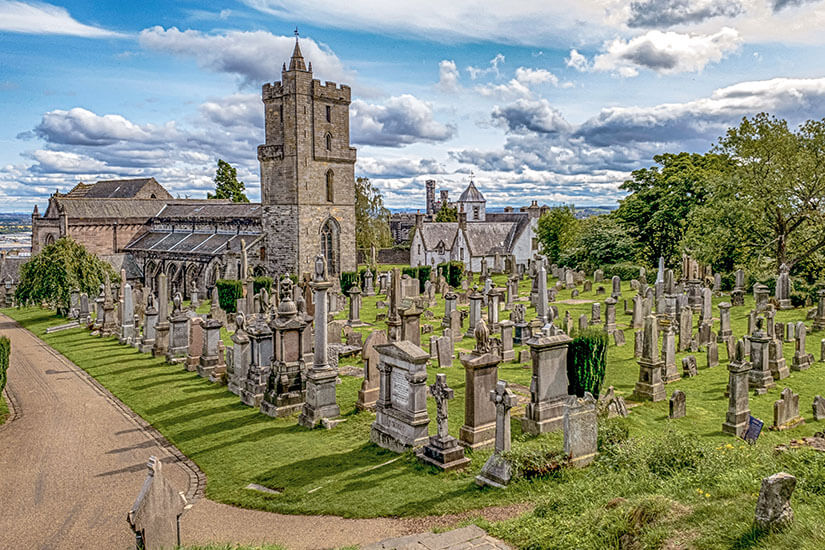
(421, 273)
(348, 280)
(262, 282)
(5, 351)
(453, 272)
(587, 362)
(229, 291)
(627, 272)
(362, 273)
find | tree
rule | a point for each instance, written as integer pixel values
(776, 190)
(227, 185)
(446, 213)
(557, 231)
(372, 219)
(60, 267)
(601, 241)
(657, 210)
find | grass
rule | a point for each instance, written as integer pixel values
(4, 410)
(340, 472)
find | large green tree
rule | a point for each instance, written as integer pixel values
(657, 210)
(372, 219)
(601, 241)
(447, 213)
(60, 267)
(776, 193)
(227, 185)
(557, 231)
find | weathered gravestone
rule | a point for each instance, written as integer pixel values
(677, 404)
(773, 507)
(581, 434)
(549, 385)
(819, 408)
(154, 515)
(497, 471)
(736, 420)
(786, 411)
(368, 394)
(612, 405)
(712, 354)
(650, 385)
(689, 369)
(443, 450)
(480, 377)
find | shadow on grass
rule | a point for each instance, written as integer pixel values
(751, 538)
(184, 402)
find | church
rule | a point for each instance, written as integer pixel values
(307, 202)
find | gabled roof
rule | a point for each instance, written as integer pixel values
(116, 189)
(490, 238)
(471, 194)
(209, 209)
(434, 232)
(190, 242)
(87, 208)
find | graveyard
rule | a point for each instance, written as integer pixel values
(655, 481)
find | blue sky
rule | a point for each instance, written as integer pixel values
(549, 101)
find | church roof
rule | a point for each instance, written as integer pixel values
(490, 238)
(88, 208)
(10, 268)
(190, 242)
(114, 189)
(209, 209)
(471, 194)
(434, 232)
(296, 63)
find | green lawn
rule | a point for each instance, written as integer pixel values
(4, 410)
(675, 481)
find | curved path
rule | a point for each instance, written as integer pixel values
(74, 458)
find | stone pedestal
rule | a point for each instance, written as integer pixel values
(548, 387)
(211, 364)
(368, 394)
(241, 359)
(147, 343)
(497, 471)
(480, 378)
(193, 355)
(760, 378)
(736, 419)
(178, 339)
(253, 387)
(650, 386)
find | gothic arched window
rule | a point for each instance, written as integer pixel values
(330, 186)
(330, 242)
(328, 139)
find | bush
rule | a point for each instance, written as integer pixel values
(229, 292)
(540, 461)
(348, 280)
(587, 362)
(452, 271)
(262, 282)
(421, 273)
(627, 271)
(5, 351)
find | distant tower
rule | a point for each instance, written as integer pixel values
(431, 198)
(473, 203)
(307, 173)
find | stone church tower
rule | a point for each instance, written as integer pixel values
(307, 173)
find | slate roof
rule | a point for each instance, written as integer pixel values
(10, 268)
(471, 194)
(434, 232)
(124, 261)
(189, 242)
(212, 209)
(489, 238)
(117, 189)
(88, 208)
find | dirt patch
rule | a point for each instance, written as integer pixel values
(574, 302)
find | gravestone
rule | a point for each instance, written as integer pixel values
(497, 471)
(582, 322)
(480, 377)
(147, 343)
(725, 331)
(598, 276)
(506, 335)
(819, 316)
(685, 328)
(581, 434)
(241, 355)
(638, 343)
(776, 360)
(443, 450)
(253, 387)
(737, 296)
(193, 355)
(548, 385)
(637, 318)
(786, 411)
(819, 408)
(617, 287)
(773, 507)
(444, 351)
(154, 517)
(618, 338)
(736, 419)
(354, 317)
(401, 419)
(677, 404)
(783, 288)
(689, 366)
(178, 333)
(802, 360)
(760, 377)
(670, 372)
(610, 315)
(212, 363)
(612, 405)
(595, 313)
(650, 385)
(127, 324)
(712, 354)
(541, 296)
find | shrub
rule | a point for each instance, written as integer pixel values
(627, 271)
(5, 351)
(262, 282)
(423, 276)
(587, 362)
(348, 280)
(612, 431)
(535, 461)
(453, 272)
(674, 453)
(229, 292)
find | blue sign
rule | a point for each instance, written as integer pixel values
(754, 429)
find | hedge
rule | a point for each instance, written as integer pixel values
(348, 280)
(627, 272)
(362, 274)
(5, 351)
(422, 273)
(452, 271)
(587, 362)
(229, 292)
(262, 282)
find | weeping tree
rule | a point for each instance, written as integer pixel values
(60, 267)
(587, 362)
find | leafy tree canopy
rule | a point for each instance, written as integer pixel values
(372, 219)
(557, 231)
(60, 267)
(601, 241)
(227, 185)
(446, 214)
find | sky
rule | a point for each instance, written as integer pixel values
(534, 100)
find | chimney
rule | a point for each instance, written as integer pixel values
(462, 220)
(419, 219)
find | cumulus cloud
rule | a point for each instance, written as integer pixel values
(519, 86)
(41, 18)
(706, 118)
(82, 127)
(779, 5)
(398, 167)
(476, 72)
(236, 110)
(577, 61)
(530, 116)
(667, 13)
(448, 77)
(254, 56)
(666, 52)
(401, 120)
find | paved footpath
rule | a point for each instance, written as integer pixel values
(73, 459)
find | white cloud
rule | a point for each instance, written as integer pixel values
(530, 116)
(82, 127)
(666, 52)
(577, 61)
(476, 73)
(448, 77)
(401, 120)
(520, 86)
(398, 167)
(66, 162)
(255, 56)
(41, 18)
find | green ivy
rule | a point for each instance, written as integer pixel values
(453, 272)
(587, 362)
(5, 351)
(348, 280)
(229, 292)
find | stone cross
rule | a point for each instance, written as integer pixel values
(504, 400)
(441, 393)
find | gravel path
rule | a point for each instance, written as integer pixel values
(73, 460)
